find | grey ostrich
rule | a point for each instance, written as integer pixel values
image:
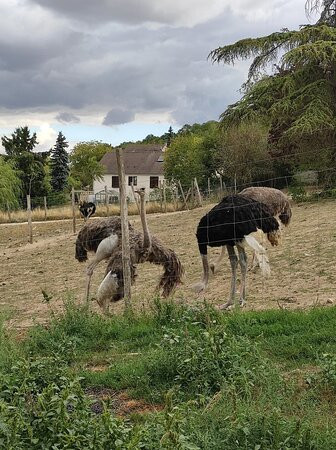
(104, 238)
(230, 224)
(279, 206)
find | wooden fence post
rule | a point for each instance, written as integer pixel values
(135, 197)
(175, 200)
(126, 258)
(73, 210)
(106, 201)
(221, 184)
(30, 225)
(9, 212)
(209, 187)
(161, 190)
(200, 202)
(164, 196)
(183, 195)
(45, 207)
(192, 194)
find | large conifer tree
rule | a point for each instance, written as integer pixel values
(59, 163)
(29, 165)
(298, 100)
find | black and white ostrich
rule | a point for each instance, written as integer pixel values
(279, 206)
(103, 237)
(87, 209)
(230, 224)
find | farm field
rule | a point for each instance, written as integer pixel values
(302, 266)
(175, 374)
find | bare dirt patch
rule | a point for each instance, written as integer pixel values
(119, 402)
(303, 273)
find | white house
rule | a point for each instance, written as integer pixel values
(143, 168)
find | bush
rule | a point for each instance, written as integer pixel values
(208, 360)
(43, 406)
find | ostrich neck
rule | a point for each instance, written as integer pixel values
(147, 237)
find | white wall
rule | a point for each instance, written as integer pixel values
(142, 182)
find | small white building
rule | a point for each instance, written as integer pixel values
(143, 168)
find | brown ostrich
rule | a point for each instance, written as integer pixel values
(104, 238)
(279, 207)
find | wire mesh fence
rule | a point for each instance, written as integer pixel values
(302, 266)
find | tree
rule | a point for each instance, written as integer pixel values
(328, 10)
(10, 186)
(19, 142)
(193, 155)
(183, 159)
(298, 100)
(30, 166)
(151, 139)
(244, 154)
(170, 136)
(85, 162)
(59, 164)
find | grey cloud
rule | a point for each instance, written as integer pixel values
(187, 12)
(118, 116)
(67, 117)
(135, 68)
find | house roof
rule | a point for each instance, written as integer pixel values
(139, 159)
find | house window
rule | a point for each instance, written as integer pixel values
(132, 181)
(153, 182)
(115, 182)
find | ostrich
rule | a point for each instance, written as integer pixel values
(87, 209)
(104, 238)
(229, 224)
(278, 205)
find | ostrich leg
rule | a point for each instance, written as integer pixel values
(199, 287)
(234, 262)
(243, 268)
(213, 266)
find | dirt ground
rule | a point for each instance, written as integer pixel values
(303, 266)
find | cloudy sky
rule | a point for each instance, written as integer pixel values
(116, 70)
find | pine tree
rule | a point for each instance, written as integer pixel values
(30, 166)
(59, 163)
(170, 136)
(19, 142)
(298, 100)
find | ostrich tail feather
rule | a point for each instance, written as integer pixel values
(261, 255)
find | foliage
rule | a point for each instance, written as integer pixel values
(19, 142)
(211, 359)
(218, 388)
(31, 167)
(298, 100)
(192, 154)
(44, 407)
(244, 154)
(10, 186)
(327, 363)
(59, 163)
(183, 160)
(85, 162)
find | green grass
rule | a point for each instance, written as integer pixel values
(291, 337)
(240, 380)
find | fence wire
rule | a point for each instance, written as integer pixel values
(302, 266)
